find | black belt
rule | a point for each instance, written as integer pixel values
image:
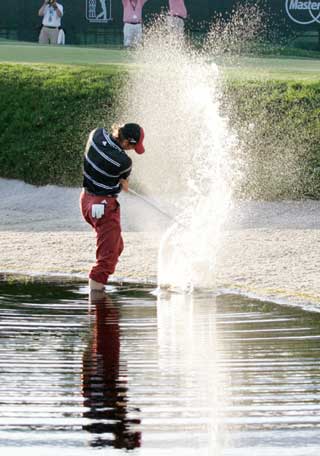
(180, 17)
(49, 26)
(87, 192)
(133, 23)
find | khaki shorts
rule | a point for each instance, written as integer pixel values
(48, 35)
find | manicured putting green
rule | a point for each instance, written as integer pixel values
(283, 68)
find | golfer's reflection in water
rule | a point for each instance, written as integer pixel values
(103, 386)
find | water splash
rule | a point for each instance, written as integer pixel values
(188, 250)
(240, 32)
(175, 94)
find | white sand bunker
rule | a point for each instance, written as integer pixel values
(269, 249)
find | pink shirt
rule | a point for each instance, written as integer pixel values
(177, 8)
(132, 10)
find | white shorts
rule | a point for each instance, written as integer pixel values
(132, 34)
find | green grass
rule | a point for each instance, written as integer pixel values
(279, 67)
(274, 68)
(288, 50)
(17, 52)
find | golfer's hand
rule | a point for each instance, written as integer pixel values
(124, 184)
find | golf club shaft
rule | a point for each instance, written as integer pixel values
(152, 204)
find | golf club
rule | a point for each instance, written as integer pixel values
(152, 204)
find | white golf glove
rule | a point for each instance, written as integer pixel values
(97, 210)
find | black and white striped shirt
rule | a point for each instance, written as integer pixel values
(105, 163)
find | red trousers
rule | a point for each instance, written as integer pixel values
(109, 241)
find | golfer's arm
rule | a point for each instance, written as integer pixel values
(124, 184)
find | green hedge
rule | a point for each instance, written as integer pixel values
(278, 124)
(47, 111)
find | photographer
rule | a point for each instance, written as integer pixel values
(52, 12)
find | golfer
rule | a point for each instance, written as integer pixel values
(105, 173)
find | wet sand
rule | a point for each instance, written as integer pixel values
(270, 250)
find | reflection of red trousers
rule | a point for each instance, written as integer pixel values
(108, 230)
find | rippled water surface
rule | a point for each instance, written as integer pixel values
(155, 375)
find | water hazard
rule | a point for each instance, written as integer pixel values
(168, 375)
